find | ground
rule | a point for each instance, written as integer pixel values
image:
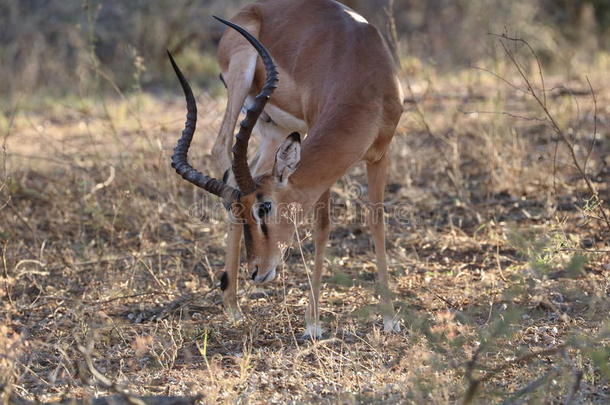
(498, 258)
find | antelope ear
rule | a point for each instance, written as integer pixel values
(287, 158)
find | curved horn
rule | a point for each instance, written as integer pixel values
(241, 170)
(179, 158)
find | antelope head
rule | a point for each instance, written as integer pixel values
(257, 203)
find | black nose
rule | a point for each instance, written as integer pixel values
(255, 273)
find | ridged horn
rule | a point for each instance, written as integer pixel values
(241, 170)
(180, 156)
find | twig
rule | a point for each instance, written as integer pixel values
(124, 297)
(23, 220)
(594, 125)
(520, 117)
(203, 351)
(103, 184)
(474, 384)
(523, 41)
(497, 76)
(121, 396)
(531, 387)
(105, 382)
(585, 250)
(440, 297)
(392, 34)
(554, 125)
(522, 359)
(453, 173)
(578, 374)
(7, 134)
(121, 393)
(108, 259)
(500, 271)
(111, 400)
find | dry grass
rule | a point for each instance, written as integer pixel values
(101, 243)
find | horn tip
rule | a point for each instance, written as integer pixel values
(222, 20)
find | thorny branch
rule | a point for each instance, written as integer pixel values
(541, 100)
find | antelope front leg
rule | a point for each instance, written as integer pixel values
(377, 173)
(228, 280)
(321, 234)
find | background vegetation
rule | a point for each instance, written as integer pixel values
(498, 204)
(48, 45)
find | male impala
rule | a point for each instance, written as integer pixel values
(338, 84)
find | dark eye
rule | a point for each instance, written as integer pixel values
(263, 209)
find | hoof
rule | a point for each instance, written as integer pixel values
(259, 292)
(234, 314)
(313, 332)
(391, 325)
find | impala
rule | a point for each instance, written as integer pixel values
(338, 84)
